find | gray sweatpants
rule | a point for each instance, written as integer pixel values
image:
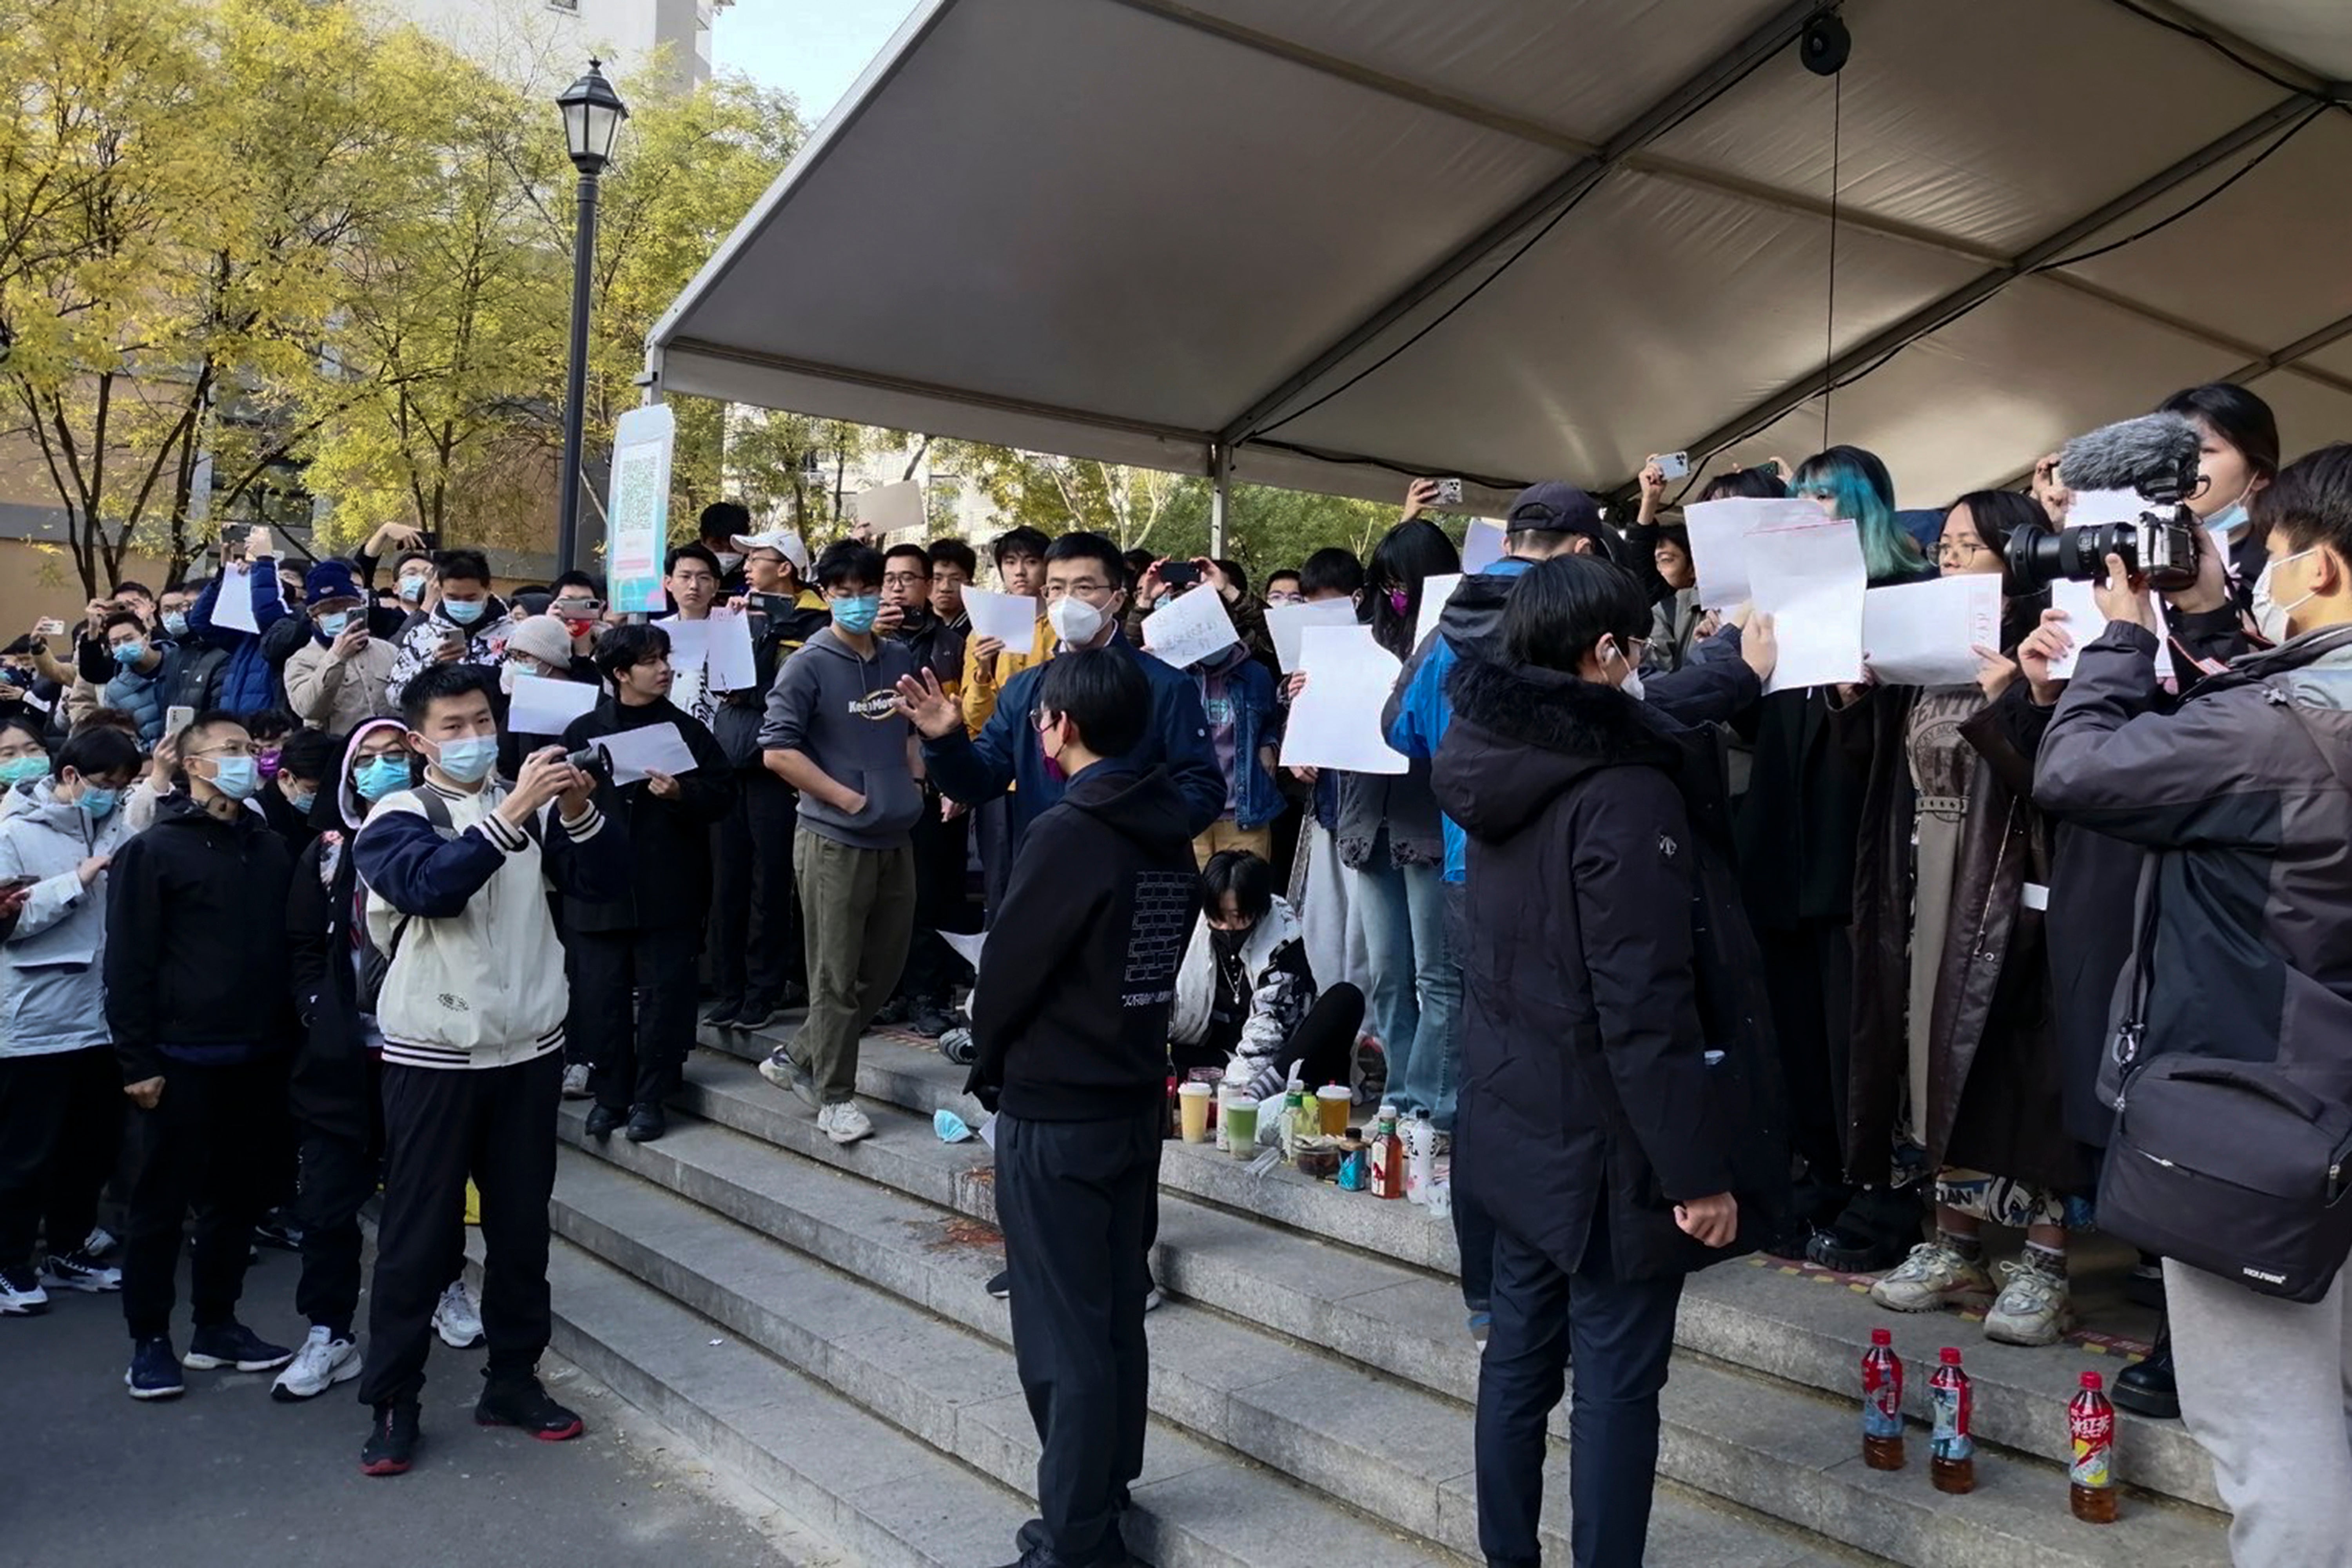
(2266, 1388)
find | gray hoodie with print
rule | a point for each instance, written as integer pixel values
(839, 708)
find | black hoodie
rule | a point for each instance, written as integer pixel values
(1070, 1014)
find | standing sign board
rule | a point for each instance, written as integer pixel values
(637, 515)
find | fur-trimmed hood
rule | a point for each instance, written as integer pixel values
(1521, 738)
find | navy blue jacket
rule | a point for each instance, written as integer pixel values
(1006, 755)
(250, 684)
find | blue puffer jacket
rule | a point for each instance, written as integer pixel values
(248, 684)
(1006, 755)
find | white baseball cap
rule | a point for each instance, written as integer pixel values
(784, 541)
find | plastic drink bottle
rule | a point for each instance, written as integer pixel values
(1953, 1452)
(1420, 1156)
(1388, 1156)
(1881, 1402)
(2091, 1422)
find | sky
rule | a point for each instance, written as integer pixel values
(813, 49)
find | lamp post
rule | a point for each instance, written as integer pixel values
(593, 113)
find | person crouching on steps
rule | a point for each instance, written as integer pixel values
(472, 1008)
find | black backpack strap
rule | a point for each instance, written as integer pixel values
(436, 812)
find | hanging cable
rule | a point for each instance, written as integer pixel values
(1829, 308)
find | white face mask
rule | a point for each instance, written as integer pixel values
(1075, 621)
(2269, 616)
(730, 559)
(1631, 685)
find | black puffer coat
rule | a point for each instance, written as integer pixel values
(1584, 1058)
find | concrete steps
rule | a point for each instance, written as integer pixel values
(1800, 1325)
(1777, 1447)
(880, 1297)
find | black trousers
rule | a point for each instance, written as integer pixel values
(442, 1125)
(755, 935)
(1320, 1047)
(1808, 979)
(1621, 1333)
(941, 903)
(1474, 1228)
(60, 1126)
(632, 995)
(1080, 1202)
(335, 1177)
(992, 825)
(214, 1142)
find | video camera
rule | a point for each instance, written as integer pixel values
(2155, 457)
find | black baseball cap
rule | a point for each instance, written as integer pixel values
(1554, 506)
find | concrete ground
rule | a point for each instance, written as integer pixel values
(224, 1477)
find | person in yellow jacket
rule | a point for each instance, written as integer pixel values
(988, 664)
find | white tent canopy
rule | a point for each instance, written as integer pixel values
(1332, 242)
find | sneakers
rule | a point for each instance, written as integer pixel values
(154, 1371)
(843, 1123)
(323, 1362)
(725, 1013)
(575, 1080)
(524, 1404)
(455, 1320)
(896, 1011)
(602, 1119)
(233, 1345)
(930, 1018)
(957, 1045)
(647, 1121)
(780, 1069)
(757, 1014)
(2034, 1308)
(392, 1445)
(1932, 1277)
(999, 1284)
(21, 1295)
(278, 1229)
(80, 1271)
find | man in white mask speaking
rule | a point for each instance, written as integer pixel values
(1086, 590)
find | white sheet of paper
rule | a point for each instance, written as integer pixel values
(1189, 627)
(1921, 634)
(1285, 621)
(233, 606)
(889, 508)
(987, 1131)
(689, 642)
(2105, 506)
(1482, 546)
(542, 706)
(967, 947)
(728, 665)
(1436, 593)
(1336, 722)
(1811, 580)
(1719, 531)
(1010, 619)
(634, 754)
(2084, 622)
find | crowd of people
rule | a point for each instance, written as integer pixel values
(345, 888)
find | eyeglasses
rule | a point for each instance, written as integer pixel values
(902, 580)
(1960, 549)
(1085, 590)
(234, 748)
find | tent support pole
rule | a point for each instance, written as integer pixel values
(1221, 486)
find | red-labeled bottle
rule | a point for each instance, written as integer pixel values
(1952, 1452)
(2091, 1423)
(1882, 1403)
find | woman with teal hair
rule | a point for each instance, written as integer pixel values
(1850, 482)
(1798, 829)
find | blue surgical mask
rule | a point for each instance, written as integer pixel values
(379, 776)
(237, 777)
(334, 626)
(97, 804)
(412, 587)
(469, 761)
(130, 653)
(177, 624)
(304, 801)
(23, 770)
(2227, 520)
(857, 614)
(464, 612)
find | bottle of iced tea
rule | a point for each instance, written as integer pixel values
(1953, 1453)
(2091, 1423)
(1882, 1403)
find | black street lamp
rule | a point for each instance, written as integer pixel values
(593, 113)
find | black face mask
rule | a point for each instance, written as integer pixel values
(1228, 943)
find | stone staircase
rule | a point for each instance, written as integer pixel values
(816, 1318)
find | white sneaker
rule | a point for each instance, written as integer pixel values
(80, 1271)
(575, 1081)
(2033, 1309)
(21, 1295)
(778, 1068)
(1932, 1277)
(843, 1123)
(455, 1320)
(321, 1362)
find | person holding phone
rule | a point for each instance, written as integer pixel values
(467, 625)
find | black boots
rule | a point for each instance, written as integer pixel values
(2148, 1386)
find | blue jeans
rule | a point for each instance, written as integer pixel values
(1416, 995)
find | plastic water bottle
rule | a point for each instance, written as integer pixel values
(1421, 1157)
(2091, 1423)
(1954, 1451)
(1881, 1402)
